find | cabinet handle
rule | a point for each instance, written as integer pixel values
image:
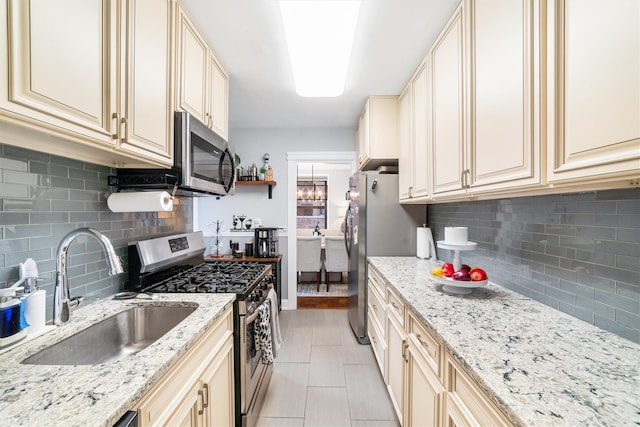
(124, 123)
(394, 305)
(424, 343)
(205, 397)
(114, 116)
(375, 307)
(405, 346)
(201, 394)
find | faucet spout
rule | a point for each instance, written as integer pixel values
(62, 301)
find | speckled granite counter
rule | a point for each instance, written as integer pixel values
(38, 395)
(541, 366)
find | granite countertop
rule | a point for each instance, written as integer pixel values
(97, 395)
(539, 365)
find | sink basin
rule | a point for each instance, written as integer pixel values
(114, 338)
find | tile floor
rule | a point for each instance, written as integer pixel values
(323, 378)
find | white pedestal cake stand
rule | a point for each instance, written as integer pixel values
(458, 286)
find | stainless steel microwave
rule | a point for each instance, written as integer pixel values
(205, 159)
(203, 163)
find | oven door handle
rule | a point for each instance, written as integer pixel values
(252, 317)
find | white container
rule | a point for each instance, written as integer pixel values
(456, 235)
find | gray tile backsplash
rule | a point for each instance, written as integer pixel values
(43, 197)
(578, 253)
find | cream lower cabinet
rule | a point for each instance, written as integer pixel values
(396, 346)
(376, 321)
(199, 388)
(90, 80)
(593, 102)
(424, 392)
(203, 85)
(466, 404)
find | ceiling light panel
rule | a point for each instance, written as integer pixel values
(319, 38)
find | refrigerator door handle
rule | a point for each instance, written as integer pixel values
(348, 231)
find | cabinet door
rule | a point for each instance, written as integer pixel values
(219, 98)
(594, 102)
(363, 136)
(424, 392)
(193, 59)
(146, 111)
(60, 69)
(396, 338)
(421, 167)
(405, 142)
(187, 413)
(448, 131)
(503, 42)
(217, 388)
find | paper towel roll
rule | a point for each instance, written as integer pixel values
(34, 311)
(146, 201)
(424, 240)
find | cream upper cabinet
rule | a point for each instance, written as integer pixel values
(405, 145)
(593, 110)
(413, 133)
(61, 65)
(448, 130)
(378, 132)
(193, 60)
(503, 55)
(219, 94)
(92, 75)
(203, 85)
(421, 158)
(146, 108)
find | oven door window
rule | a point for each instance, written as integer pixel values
(254, 355)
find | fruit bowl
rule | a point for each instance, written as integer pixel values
(460, 287)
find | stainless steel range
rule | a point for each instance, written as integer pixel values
(176, 264)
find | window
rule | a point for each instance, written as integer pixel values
(312, 203)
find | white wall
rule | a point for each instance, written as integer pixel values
(253, 201)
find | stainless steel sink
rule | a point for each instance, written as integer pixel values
(114, 338)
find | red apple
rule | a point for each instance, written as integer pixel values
(462, 275)
(447, 269)
(478, 274)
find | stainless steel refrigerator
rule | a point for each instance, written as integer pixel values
(376, 224)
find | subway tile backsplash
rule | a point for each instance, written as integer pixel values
(578, 253)
(43, 197)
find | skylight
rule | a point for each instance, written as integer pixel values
(319, 38)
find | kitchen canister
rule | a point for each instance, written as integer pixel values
(424, 240)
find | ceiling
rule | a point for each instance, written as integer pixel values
(246, 36)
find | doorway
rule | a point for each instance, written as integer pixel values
(333, 169)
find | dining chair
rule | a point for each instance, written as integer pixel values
(308, 254)
(336, 259)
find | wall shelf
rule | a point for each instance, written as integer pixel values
(271, 184)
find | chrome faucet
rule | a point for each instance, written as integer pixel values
(62, 301)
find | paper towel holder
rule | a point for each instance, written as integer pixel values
(106, 194)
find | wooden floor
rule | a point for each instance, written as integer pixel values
(322, 302)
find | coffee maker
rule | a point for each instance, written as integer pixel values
(266, 242)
